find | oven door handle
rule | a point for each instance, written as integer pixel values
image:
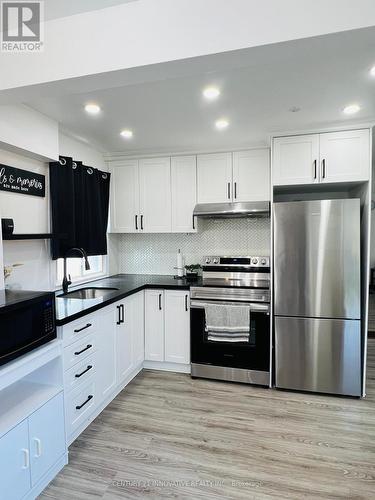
(254, 307)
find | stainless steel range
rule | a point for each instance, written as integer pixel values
(230, 320)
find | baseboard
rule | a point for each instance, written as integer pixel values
(169, 367)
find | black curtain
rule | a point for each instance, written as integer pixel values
(79, 207)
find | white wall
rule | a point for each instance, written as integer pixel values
(31, 214)
(28, 132)
(81, 152)
(153, 31)
(156, 253)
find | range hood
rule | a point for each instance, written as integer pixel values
(232, 210)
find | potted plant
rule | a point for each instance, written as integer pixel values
(191, 272)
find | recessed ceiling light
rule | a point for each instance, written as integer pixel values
(128, 134)
(372, 71)
(211, 93)
(221, 124)
(92, 108)
(351, 109)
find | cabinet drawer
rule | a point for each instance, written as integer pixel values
(80, 373)
(75, 330)
(79, 350)
(79, 405)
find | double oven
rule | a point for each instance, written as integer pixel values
(231, 282)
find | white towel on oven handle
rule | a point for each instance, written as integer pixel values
(227, 318)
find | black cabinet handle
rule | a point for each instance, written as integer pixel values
(83, 328)
(159, 301)
(324, 169)
(118, 322)
(83, 350)
(193, 222)
(228, 190)
(315, 171)
(186, 302)
(122, 313)
(85, 402)
(142, 222)
(77, 375)
(136, 222)
(235, 190)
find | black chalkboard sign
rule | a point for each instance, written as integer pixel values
(22, 181)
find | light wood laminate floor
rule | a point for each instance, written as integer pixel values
(167, 436)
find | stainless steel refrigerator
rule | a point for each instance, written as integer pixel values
(317, 296)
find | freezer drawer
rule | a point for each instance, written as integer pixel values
(319, 355)
(317, 259)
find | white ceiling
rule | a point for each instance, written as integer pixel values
(54, 9)
(258, 87)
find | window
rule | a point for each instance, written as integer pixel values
(76, 268)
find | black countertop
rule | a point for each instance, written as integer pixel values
(70, 309)
(12, 299)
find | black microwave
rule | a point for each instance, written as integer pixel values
(26, 322)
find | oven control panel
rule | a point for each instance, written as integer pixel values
(249, 261)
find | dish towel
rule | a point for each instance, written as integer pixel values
(227, 323)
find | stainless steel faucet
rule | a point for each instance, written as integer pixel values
(66, 282)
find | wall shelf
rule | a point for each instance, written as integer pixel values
(40, 236)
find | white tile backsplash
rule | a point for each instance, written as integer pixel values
(156, 253)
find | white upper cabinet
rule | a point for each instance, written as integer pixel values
(321, 158)
(345, 156)
(214, 178)
(295, 160)
(177, 326)
(158, 195)
(184, 193)
(125, 197)
(155, 195)
(251, 175)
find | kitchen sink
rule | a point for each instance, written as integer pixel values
(88, 293)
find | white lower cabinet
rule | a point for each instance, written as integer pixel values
(47, 437)
(154, 325)
(79, 406)
(102, 358)
(31, 449)
(129, 335)
(167, 326)
(15, 480)
(177, 327)
(124, 361)
(106, 341)
(135, 319)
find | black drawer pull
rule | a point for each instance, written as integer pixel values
(83, 350)
(84, 371)
(85, 402)
(83, 328)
